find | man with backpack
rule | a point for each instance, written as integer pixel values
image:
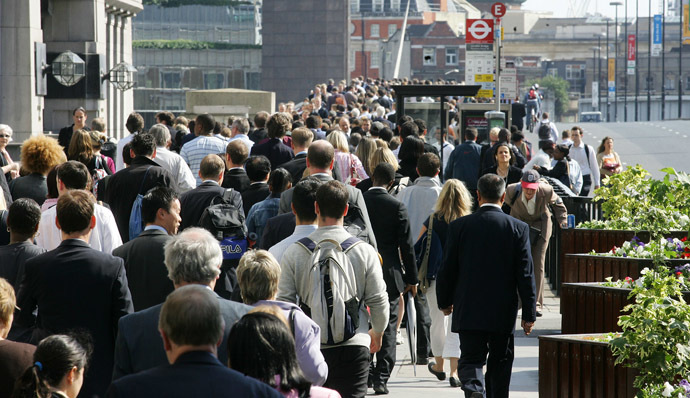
(546, 129)
(354, 281)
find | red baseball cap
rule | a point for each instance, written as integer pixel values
(530, 179)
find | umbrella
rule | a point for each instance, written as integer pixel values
(411, 327)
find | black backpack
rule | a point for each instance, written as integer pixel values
(354, 223)
(224, 218)
(544, 132)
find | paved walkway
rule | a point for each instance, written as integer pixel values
(525, 380)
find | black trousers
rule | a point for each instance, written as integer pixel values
(586, 184)
(423, 325)
(385, 358)
(348, 369)
(474, 347)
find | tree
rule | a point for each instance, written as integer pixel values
(559, 87)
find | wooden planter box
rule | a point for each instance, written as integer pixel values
(578, 268)
(572, 367)
(593, 308)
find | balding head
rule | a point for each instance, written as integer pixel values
(320, 156)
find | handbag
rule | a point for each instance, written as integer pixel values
(355, 178)
(429, 253)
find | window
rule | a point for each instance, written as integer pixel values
(670, 82)
(171, 80)
(354, 6)
(574, 72)
(429, 56)
(650, 83)
(395, 5)
(377, 5)
(392, 28)
(451, 56)
(552, 72)
(351, 59)
(213, 80)
(687, 82)
(375, 59)
(375, 30)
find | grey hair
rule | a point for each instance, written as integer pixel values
(193, 256)
(191, 316)
(380, 111)
(7, 129)
(242, 125)
(160, 134)
(258, 275)
(491, 187)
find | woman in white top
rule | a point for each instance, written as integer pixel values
(607, 159)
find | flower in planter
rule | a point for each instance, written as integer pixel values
(670, 248)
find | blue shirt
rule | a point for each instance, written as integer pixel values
(194, 151)
(259, 215)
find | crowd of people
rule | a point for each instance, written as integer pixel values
(273, 256)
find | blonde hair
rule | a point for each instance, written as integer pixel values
(365, 150)
(8, 302)
(258, 275)
(273, 310)
(383, 155)
(40, 153)
(338, 140)
(381, 143)
(453, 202)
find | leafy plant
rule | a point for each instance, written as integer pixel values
(559, 87)
(656, 332)
(681, 390)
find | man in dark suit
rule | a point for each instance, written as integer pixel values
(486, 261)
(236, 154)
(76, 287)
(191, 326)
(142, 175)
(392, 229)
(301, 139)
(258, 170)
(277, 228)
(259, 132)
(194, 202)
(144, 255)
(274, 149)
(320, 157)
(192, 258)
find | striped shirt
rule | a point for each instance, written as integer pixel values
(195, 150)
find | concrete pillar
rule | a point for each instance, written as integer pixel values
(20, 28)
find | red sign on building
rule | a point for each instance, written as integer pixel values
(479, 31)
(631, 48)
(498, 10)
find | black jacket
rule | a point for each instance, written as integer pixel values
(77, 287)
(296, 167)
(254, 194)
(277, 228)
(194, 202)
(147, 276)
(236, 179)
(275, 150)
(392, 230)
(487, 259)
(124, 186)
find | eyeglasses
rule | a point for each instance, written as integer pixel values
(5, 136)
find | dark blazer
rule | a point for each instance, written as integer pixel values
(65, 135)
(489, 157)
(296, 167)
(32, 186)
(392, 229)
(147, 276)
(194, 202)
(15, 358)
(124, 186)
(258, 135)
(77, 288)
(514, 173)
(275, 150)
(194, 374)
(13, 258)
(139, 346)
(254, 194)
(277, 228)
(487, 259)
(355, 199)
(236, 179)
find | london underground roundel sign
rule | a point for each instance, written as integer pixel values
(479, 31)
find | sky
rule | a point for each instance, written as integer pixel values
(560, 7)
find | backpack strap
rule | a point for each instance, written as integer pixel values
(307, 243)
(515, 195)
(587, 153)
(348, 243)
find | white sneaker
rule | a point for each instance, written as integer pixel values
(399, 339)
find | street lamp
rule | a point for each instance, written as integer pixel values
(122, 76)
(67, 68)
(615, 64)
(595, 76)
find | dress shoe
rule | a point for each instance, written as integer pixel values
(439, 375)
(477, 394)
(539, 314)
(454, 382)
(370, 381)
(422, 361)
(380, 388)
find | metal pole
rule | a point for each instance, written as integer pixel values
(498, 65)
(637, 66)
(402, 41)
(680, 63)
(599, 70)
(663, 60)
(608, 98)
(649, 64)
(625, 67)
(615, 68)
(594, 77)
(364, 56)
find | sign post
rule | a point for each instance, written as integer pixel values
(657, 36)
(479, 56)
(632, 56)
(612, 78)
(498, 10)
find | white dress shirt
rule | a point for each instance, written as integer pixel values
(119, 162)
(245, 139)
(577, 153)
(104, 237)
(174, 163)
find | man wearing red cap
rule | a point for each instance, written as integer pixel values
(533, 201)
